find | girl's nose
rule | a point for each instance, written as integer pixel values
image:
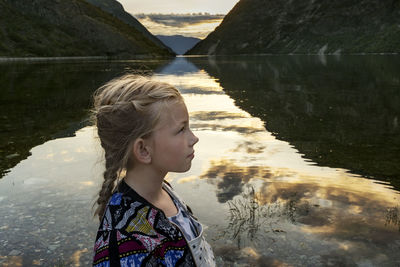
(195, 139)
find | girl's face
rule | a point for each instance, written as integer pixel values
(172, 140)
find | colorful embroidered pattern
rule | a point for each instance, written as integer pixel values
(140, 223)
(134, 233)
(115, 199)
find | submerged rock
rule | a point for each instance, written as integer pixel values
(15, 252)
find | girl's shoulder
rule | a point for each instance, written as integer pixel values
(128, 212)
(132, 218)
(124, 205)
(143, 232)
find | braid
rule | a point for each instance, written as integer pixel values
(110, 176)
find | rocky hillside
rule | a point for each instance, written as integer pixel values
(69, 28)
(311, 26)
(116, 9)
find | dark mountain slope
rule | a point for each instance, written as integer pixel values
(68, 28)
(314, 26)
(115, 8)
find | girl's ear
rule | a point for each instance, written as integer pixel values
(141, 151)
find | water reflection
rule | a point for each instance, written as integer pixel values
(232, 178)
(351, 219)
(247, 216)
(339, 112)
(263, 201)
(42, 101)
(250, 148)
(393, 216)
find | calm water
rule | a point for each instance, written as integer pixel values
(298, 162)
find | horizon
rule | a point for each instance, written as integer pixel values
(180, 14)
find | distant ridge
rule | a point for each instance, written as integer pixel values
(178, 43)
(306, 27)
(55, 28)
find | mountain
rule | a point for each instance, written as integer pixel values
(69, 28)
(116, 9)
(178, 43)
(306, 27)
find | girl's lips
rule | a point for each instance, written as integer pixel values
(191, 155)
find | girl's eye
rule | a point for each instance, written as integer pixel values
(182, 129)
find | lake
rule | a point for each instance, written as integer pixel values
(298, 162)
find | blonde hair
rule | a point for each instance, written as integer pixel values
(125, 109)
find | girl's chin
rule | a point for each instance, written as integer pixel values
(185, 169)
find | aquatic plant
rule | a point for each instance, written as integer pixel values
(249, 216)
(393, 217)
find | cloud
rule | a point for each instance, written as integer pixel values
(215, 115)
(178, 6)
(180, 20)
(230, 178)
(189, 25)
(245, 130)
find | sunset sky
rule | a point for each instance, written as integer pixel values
(198, 26)
(170, 23)
(178, 6)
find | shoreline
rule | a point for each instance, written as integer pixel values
(73, 58)
(43, 59)
(290, 54)
(16, 59)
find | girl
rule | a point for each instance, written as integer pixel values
(143, 126)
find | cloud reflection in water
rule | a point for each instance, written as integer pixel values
(281, 209)
(285, 211)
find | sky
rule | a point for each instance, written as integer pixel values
(198, 26)
(181, 17)
(178, 6)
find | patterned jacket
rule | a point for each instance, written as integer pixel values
(135, 233)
